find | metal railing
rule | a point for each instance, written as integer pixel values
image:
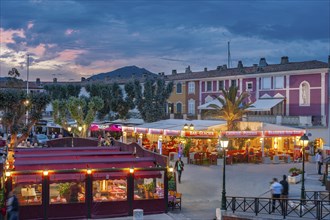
(287, 208)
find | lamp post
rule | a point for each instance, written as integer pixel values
(224, 144)
(303, 142)
(69, 130)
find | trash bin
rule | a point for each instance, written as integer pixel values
(138, 214)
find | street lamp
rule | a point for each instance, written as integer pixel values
(224, 144)
(303, 142)
(69, 130)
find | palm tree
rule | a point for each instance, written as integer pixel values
(233, 106)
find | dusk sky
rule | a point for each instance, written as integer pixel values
(73, 39)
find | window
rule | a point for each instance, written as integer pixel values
(191, 87)
(109, 190)
(221, 84)
(178, 88)
(67, 192)
(149, 188)
(208, 99)
(304, 94)
(249, 86)
(233, 82)
(191, 107)
(28, 194)
(178, 107)
(209, 86)
(266, 83)
(278, 82)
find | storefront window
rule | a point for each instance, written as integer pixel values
(28, 194)
(67, 192)
(148, 188)
(109, 190)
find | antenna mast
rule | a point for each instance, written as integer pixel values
(229, 57)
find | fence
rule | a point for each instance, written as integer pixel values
(287, 208)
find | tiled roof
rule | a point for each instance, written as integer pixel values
(292, 66)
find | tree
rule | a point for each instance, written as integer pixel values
(151, 101)
(82, 110)
(14, 104)
(57, 91)
(233, 106)
(14, 73)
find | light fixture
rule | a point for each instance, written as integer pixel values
(224, 141)
(185, 126)
(89, 171)
(79, 128)
(8, 174)
(69, 129)
(131, 170)
(170, 169)
(45, 172)
(191, 127)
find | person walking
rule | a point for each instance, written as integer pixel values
(179, 168)
(276, 189)
(285, 193)
(12, 207)
(319, 161)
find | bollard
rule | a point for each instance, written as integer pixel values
(138, 214)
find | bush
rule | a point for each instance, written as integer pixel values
(294, 171)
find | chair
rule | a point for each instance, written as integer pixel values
(177, 203)
(198, 158)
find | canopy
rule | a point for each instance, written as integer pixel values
(206, 105)
(264, 104)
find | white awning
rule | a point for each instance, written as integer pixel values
(206, 105)
(264, 105)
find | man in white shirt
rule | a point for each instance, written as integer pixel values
(276, 189)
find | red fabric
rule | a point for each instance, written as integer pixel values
(147, 174)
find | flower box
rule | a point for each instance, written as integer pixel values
(294, 179)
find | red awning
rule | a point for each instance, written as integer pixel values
(109, 175)
(147, 174)
(25, 179)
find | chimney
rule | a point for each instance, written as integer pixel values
(284, 60)
(205, 69)
(174, 72)
(188, 70)
(224, 66)
(240, 64)
(54, 80)
(83, 79)
(262, 62)
(38, 81)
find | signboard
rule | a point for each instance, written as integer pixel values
(155, 131)
(127, 129)
(199, 134)
(283, 133)
(172, 133)
(242, 133)
(141, 130)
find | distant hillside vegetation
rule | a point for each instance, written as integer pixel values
(124, 72)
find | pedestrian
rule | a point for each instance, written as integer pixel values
(179, 168)
(180, 151)
(319, 161)
(285, 185)
(276, 189)
(112, 141)
(12, 206)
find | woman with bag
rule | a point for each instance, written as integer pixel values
(179, 168)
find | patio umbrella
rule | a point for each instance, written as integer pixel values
(94, 128)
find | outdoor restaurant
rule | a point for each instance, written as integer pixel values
(252, 142)
(87, 181)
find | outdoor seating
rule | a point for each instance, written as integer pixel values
(191, 158)
(198, 158)
(213, 159)
(177, 202)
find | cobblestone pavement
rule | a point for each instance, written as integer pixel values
(201, 187)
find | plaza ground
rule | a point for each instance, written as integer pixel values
(201, 187)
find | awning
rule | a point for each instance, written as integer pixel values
(264, 105)
(206, 105)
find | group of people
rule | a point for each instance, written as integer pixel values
(279, 190)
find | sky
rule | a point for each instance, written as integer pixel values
(68, 40)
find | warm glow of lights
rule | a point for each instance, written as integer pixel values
(191, 127)
(224, 141)
(69, 129)
(79, 128)
(170, 169)
(124, 133)
(8, 174)
(45, 173)
(131, 170)
(160, 138)
(89, 171)
(185, 126)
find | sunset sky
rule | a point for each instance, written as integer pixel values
(73, 39)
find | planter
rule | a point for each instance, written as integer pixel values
(266, 160)
(294, 179)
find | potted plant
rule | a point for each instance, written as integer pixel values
(64, 190)
(295, 175)
(149, 189)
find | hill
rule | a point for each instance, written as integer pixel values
(124, 72)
